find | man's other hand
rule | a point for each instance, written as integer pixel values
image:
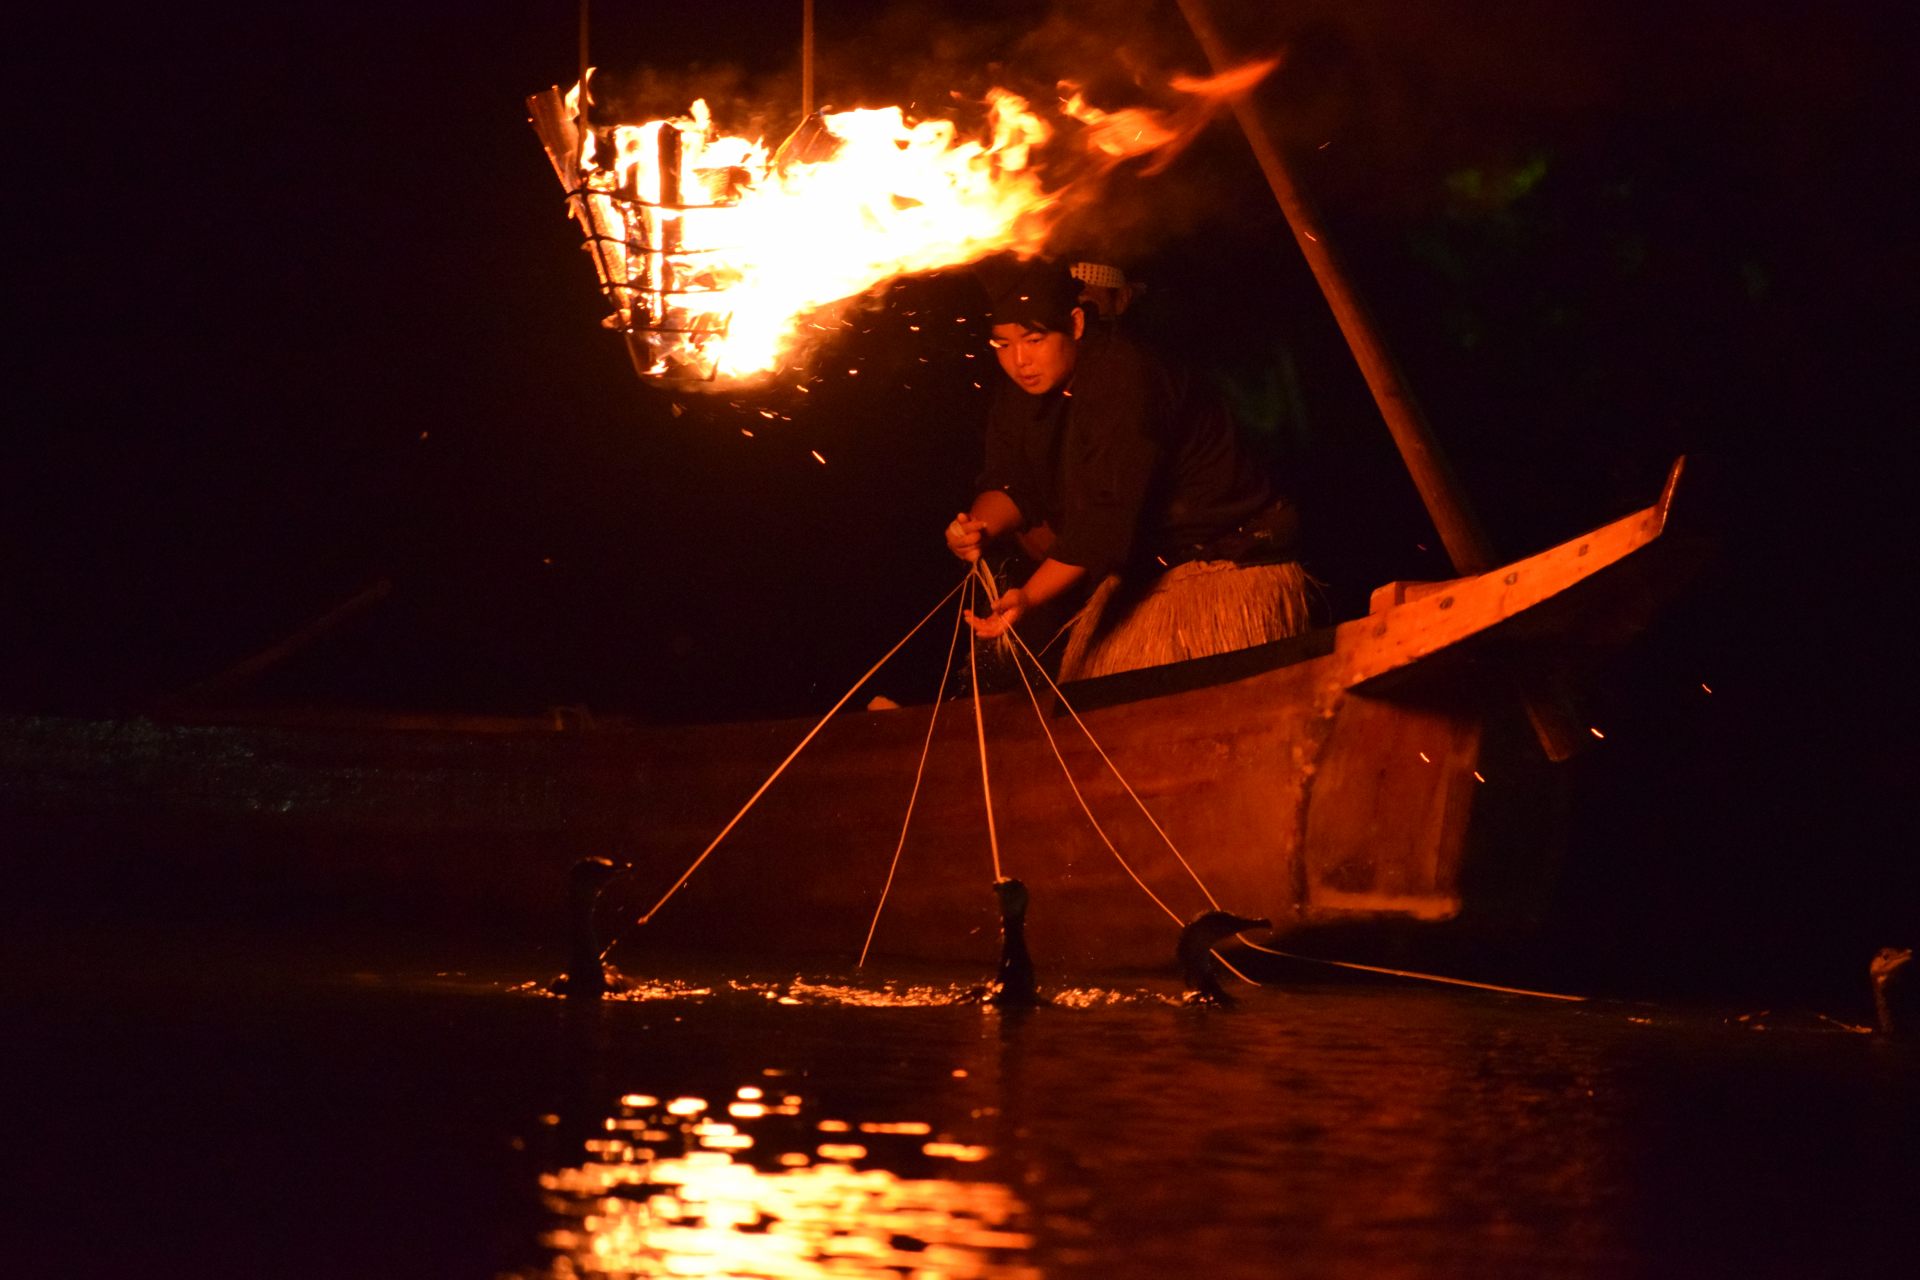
(1006, 611)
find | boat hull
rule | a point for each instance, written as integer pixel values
(1338, 775)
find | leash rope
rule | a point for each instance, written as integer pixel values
(985, 577)
(980, 727)
(953, 647)
(1120, 777)
(1423, 977)
(755, 797)
(1041, 715)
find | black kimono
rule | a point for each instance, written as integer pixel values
(1134, 466)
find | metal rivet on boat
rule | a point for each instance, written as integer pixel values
(1583, 548)
(1446, 602)
(1513, 577)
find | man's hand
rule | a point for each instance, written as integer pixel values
(1006, 611)
(965, 535)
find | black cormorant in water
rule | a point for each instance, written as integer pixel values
(1893, 990)
(1013, 986)
(588, 976)
(1198, 967)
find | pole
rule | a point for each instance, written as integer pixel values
(580, 108)
(806, 59)
(1460, 531)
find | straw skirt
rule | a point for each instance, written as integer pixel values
(1193, 610)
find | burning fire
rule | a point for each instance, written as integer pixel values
(1121, 135)
(716, 251)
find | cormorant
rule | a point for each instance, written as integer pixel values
(1198, 966)
(588, 977)
(1013, 987)
(1893, 990)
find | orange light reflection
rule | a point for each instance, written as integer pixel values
(730, 1203)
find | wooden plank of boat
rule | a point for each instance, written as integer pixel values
(1323, 777)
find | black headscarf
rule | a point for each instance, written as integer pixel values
(1035, 293)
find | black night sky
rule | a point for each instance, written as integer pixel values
(295, 308)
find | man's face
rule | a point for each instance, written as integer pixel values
(1038, 362)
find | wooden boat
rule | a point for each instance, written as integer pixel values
(1344, 774)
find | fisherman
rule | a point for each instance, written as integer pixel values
(1130, 486)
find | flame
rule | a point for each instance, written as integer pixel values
(722, 253)
(1135, 131)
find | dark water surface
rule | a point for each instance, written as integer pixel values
(224, 1111)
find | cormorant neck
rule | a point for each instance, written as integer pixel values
(583, 965)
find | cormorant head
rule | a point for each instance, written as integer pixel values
(590, 875)
(1209, 927)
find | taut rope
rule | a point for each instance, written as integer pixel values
(980, 727)
(1115, 769)
(1098, 830)
(1041, 714)
(1423, 977)
(939, 694)
(755, 797)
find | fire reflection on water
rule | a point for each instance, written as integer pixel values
(668, 1190)
(381, 1126)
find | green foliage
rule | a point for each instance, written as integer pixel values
(1496, 189)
